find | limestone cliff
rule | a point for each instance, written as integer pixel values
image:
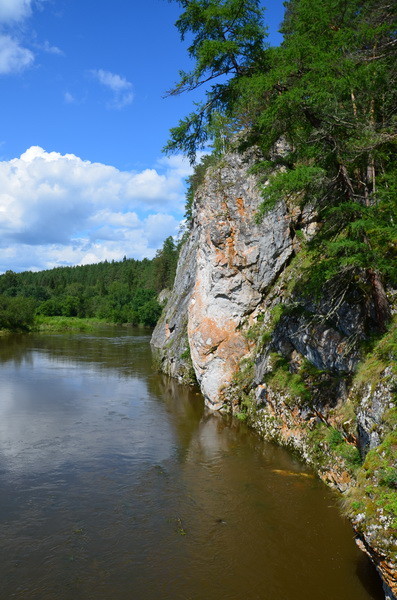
(225, 267)
(289, 361)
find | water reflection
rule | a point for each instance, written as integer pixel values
(117, 484)
(60, 403)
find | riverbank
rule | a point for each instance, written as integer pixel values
(61, 324)
(43, 324)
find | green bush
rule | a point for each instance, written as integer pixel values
(16, 313)
(149, 313)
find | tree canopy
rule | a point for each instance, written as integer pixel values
(228, 42)
(329, 91)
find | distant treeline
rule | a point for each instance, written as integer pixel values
(118, 292)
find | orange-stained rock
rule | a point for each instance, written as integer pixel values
(237, 259)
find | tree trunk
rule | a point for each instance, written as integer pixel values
(381, 303)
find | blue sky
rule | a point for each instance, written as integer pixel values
(84, 119)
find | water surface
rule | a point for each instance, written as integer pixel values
(117, 484)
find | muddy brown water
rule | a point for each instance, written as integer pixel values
(117, 484)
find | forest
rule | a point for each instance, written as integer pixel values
(116, 292)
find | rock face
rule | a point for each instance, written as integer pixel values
(237, 322)
(169, 339)
(226, 275)
(227, 264)
(374, 402)
(236, 261)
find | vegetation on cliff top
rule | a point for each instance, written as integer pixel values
(329, 91)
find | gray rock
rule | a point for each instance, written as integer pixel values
(237, 259)
(226, 265)
(375, 399)
(169, 339)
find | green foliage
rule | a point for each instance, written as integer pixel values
(243, 377)
(227, 41)
(116, 292)
(149, 313)
(16, 313)
(60, 324)
(328, 446)
(388, 477)
(334, 438)
(329, 93)
(375, 493)
(165, 263)
(350, 454)
(262, 334)
(281, 378)
(382, 354)
(241, 416)
(289, 184)
(240, 392)
(186, 355)
(189, 375)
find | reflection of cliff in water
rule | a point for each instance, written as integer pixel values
(246, 501)
(184, 404)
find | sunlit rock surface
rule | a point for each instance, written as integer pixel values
(226, 266)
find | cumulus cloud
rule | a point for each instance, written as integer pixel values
(118, 85)
(178, 164)
(59, 209)
(13, 56)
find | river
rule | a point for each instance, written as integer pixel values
(117, 484)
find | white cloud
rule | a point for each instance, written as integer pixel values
(14, 10)
(177, 164)
(156, 225)
(113, 81)
(13, 56)
(69, 98)
(47, 47)
(120, 86)
(60, 209)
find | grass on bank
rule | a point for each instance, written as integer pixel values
(60, 324)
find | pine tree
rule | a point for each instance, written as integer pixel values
(333, 96)
(228, 42)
